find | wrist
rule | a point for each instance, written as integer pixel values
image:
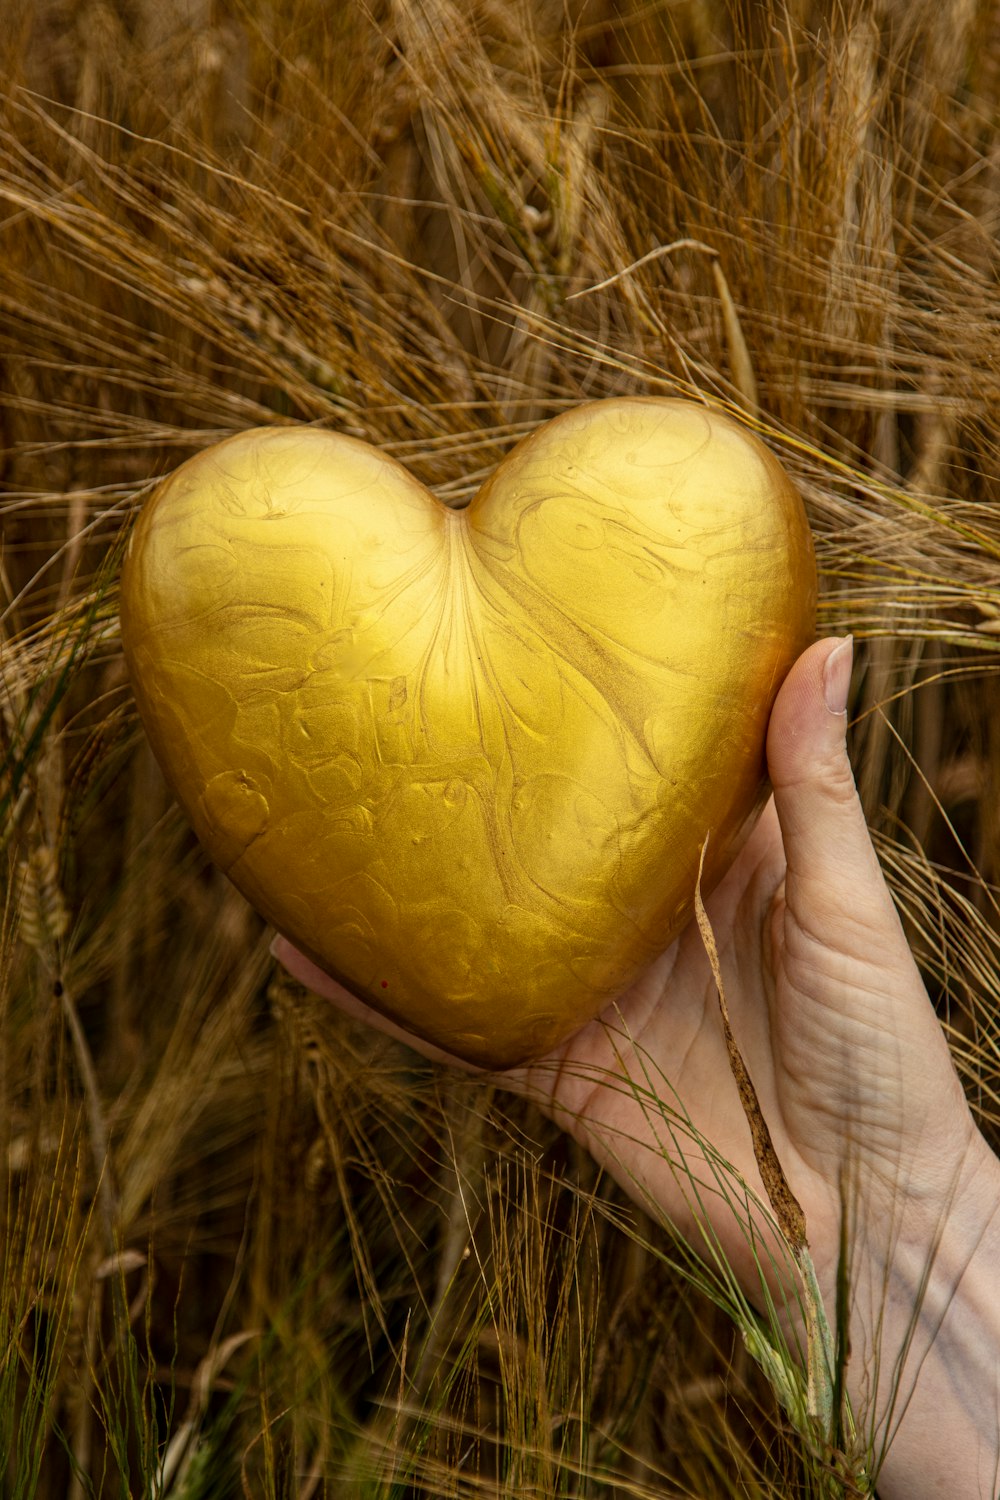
(925, 1247)
(924, 1370)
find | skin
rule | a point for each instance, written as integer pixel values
(854, 1079)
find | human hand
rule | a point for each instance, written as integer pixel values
(850, 1065)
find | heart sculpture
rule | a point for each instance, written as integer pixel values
(467, 760)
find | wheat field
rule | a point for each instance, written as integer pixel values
(250, 1248)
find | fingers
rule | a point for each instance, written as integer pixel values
(315, 979)
(312, 976)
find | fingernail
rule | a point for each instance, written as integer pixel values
(837, 675)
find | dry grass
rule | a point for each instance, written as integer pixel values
(249, 1250)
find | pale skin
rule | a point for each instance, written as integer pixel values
(854, 1079)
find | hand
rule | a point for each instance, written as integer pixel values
(850, 1065)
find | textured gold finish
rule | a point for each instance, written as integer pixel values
(466, 760)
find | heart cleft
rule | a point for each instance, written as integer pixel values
(467, 760)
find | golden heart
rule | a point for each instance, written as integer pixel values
(466, 760)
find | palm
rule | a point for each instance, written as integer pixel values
(835, 1028)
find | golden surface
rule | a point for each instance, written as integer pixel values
(466, 760)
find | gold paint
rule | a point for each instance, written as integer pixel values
(466, 760)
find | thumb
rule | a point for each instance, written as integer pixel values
(853, 1023)
(832, 866)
